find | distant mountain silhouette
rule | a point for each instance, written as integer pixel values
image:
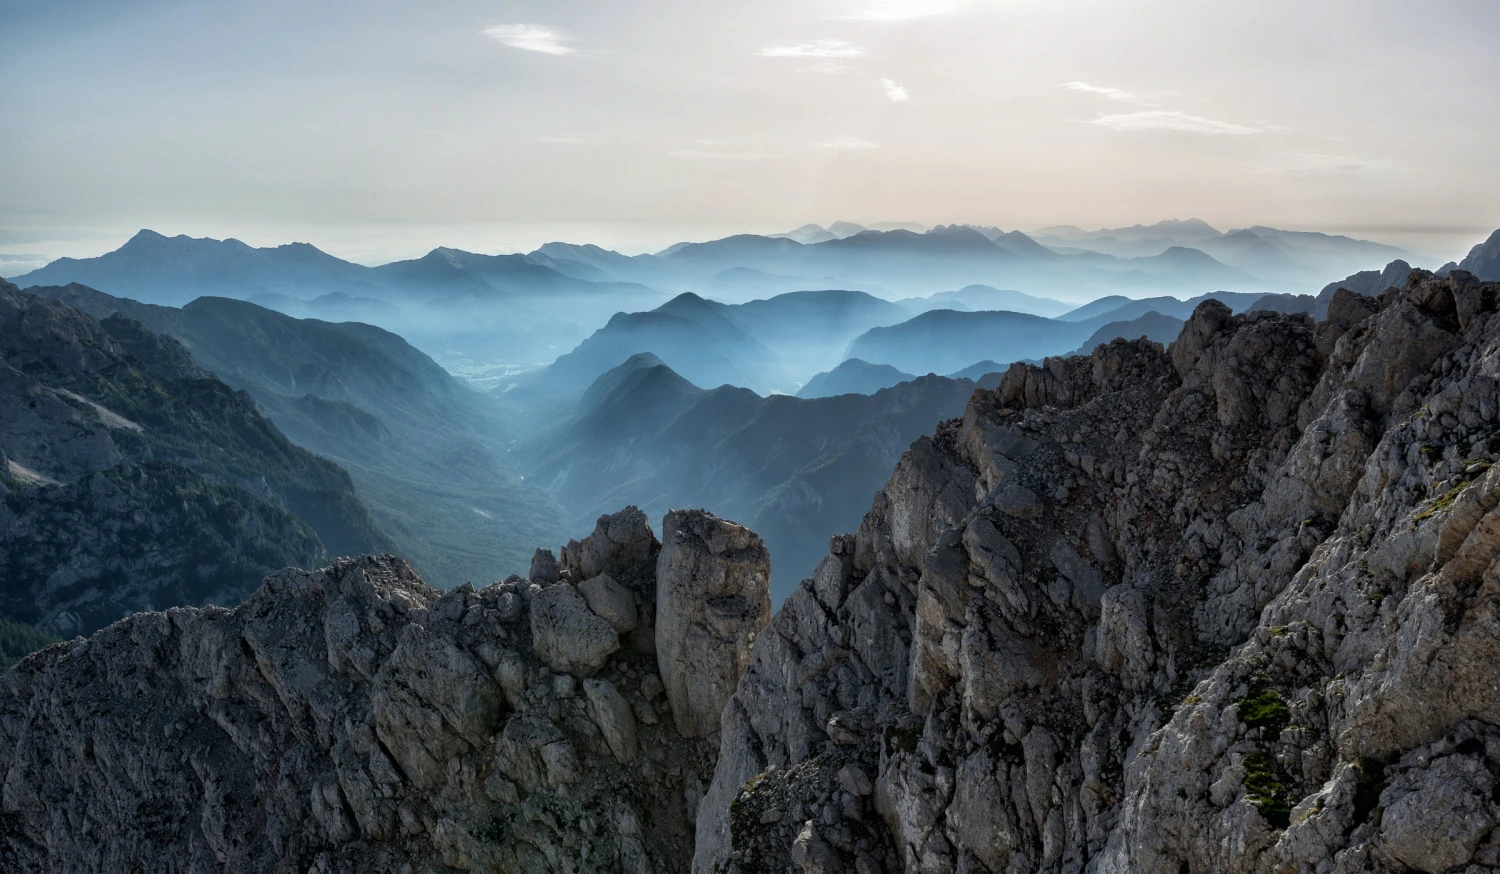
(1284, 258)
(853, 376)
(944, 341)
(796, 470)
(1484, 259)
(1094, 308)
(1151, 325)
(979, 370)
(765, 345)
(426, 452)
(1170, 306)
(453, 304)
(693, 335)
(173, 270)
(984, 297)
(907, 261)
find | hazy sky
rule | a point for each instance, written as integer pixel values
(380, 128)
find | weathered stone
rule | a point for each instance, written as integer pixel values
(567, 635)
(612, 714)
(544, 567)
(611, 601)
(619, 542)
(352, 718)
(713, 597)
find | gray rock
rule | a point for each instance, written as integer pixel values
(544, 567)
(618, 543)
(350, 718)
(1436, 823)
(567, 635)
(611, 601)
(612, 714)
(713, 597)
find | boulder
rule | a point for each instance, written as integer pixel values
(618, 543)
(611, 601)
(567, 635)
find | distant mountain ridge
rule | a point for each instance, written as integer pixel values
(943, 341)
(766, 345)
(800, 468)
(456, 305)
(426, 452)
(853, 376)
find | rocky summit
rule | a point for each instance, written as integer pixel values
(1228, 605)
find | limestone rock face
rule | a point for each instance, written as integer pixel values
(1227, 606)
(611, 601)
(616, 544)
(353, 720)
(544, 567)
(713, 596)
(568, 636)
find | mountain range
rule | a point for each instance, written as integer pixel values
(135, 480)
(460, 307)
(801, 468)
(426, 451)
(486, 316)
(765, 345)
(853, 376)
(1281, 257)
(945, 341)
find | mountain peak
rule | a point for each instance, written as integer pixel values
(145, 239)
(1484, 259)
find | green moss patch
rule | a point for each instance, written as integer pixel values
(1265, 787)
(1265, 710)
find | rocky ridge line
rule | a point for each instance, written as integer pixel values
(1224, 606)
(353, 719)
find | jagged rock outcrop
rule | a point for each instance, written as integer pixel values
(1219, 607)
(353, 719)
(713, 595)
(1369, 283)
(1228, 605)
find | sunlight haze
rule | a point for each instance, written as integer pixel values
(328, 121)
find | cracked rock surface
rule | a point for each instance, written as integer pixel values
(353, 719)
(1227, 606)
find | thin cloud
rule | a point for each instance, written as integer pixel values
(904, 10)
(1119, 94)
(1315, 164)
(846, 144)
(827, 68)
(818, 48)
(895, 91)
(530, 37)
(561, 141)
(1162, 119)
(701, 155)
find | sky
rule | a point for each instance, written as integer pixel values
(379, 129)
